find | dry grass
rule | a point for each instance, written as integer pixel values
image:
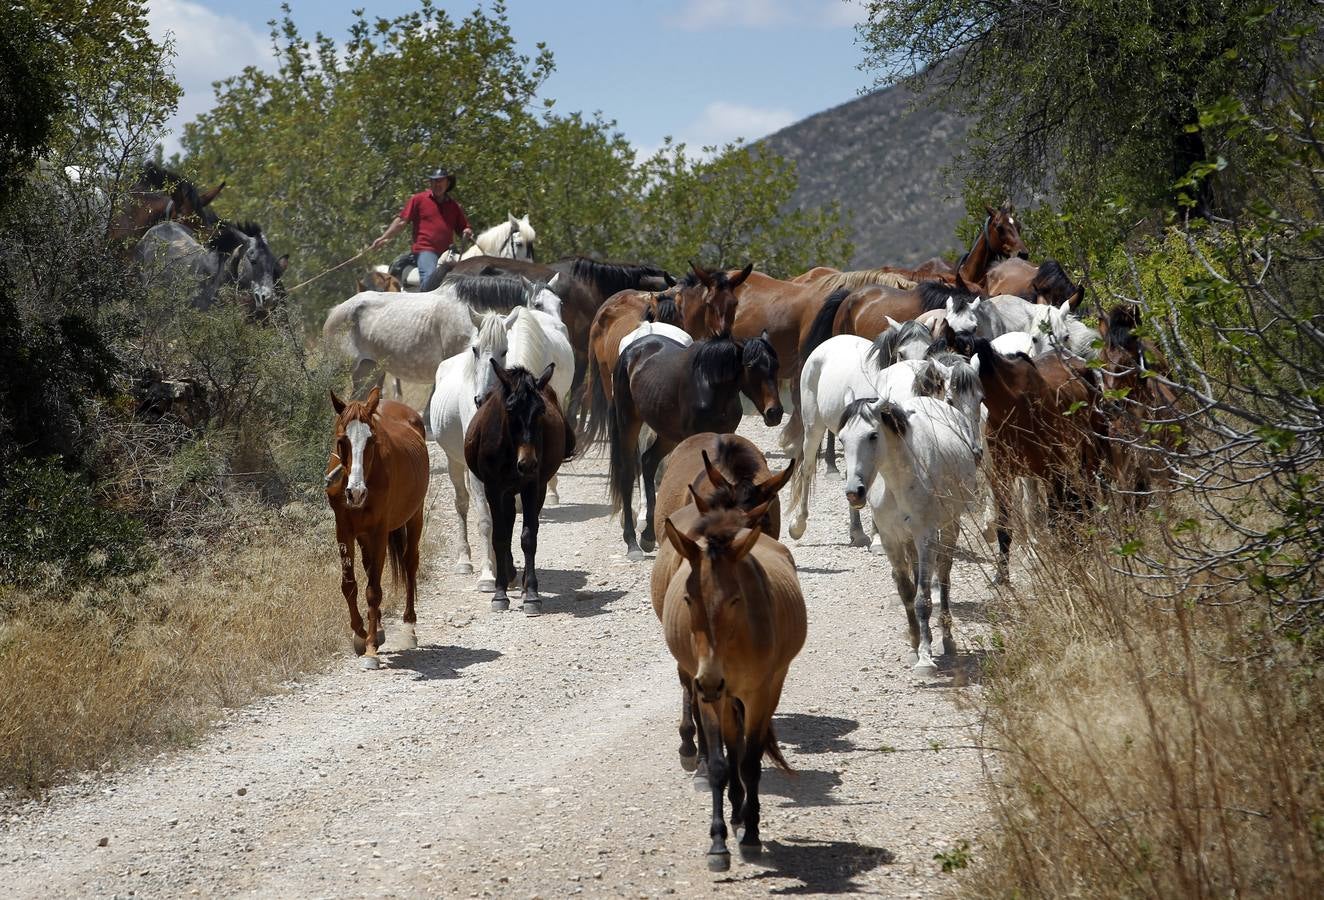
(1147, 750)
(98, 676)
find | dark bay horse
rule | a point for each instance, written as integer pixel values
(515, 443)
(998, 239)
(376, 482)
(159, 195)
(734, 619)
(680, 391)
(1044, 423)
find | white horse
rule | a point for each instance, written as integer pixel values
(913, 463)
(409, 335)
(1007, 313)
(525, 337)
(847, 367)
(513, 239)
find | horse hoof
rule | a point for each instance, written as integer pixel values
(719, 862)
(925, 666)
(553, 500)
(409, 638)
(648, 545)
(532, 608)
(876, 548)
(370, 662)
(948, 646)
(381, 637)
(360, 645)
(500, 605)
(859, 540)
(635, 556)
(486, 585)
(830, 469)
(751, 851)
(700, 779)
(463, 568)
(689, 763)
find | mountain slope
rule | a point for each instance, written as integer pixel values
(884, 163)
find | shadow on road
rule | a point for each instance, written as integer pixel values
(575, 512)
(807, 787)
(564, 595)
(433, 661)
(806, 733)
(820, 867)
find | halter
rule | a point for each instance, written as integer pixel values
(510, 239)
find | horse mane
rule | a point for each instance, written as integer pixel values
(1122, 322)
(929, 381)
(610, 278)
(856, 407)
(934, 294)
(667, 311)
(488, 293)
(720, 528)
(1052, 281)
(757, 352)
(963, 380)
(160, 178)
(886, 345)
(716, 360)
(742, 461)
(531, 330)
(864, 277)
(491, 333)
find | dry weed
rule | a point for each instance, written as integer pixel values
(1150, 749)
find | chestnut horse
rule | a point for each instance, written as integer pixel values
(679, 391)
(157, 196)
(515, 443)
(1047, 283)
(1043, 422)
(734, 619)
(998, 238)
(376, 482)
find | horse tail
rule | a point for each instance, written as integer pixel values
(395, 552)
(821, 328)
(342, 318)
(621, 462)
(774, 752)
(597, 399)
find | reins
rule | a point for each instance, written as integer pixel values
(328, 271)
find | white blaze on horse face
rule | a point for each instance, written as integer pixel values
(859, 444)
(356, 489)
(965, 321)
(546, 301)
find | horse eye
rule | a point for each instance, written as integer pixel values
(873, 435)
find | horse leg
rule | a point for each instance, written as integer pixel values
(802, 480)
(830, 453)
(857, 536)
(350, 588)
(1002, 500)
(483, 506)
(651, 460)
(925, 547)
(373, 548)
(689, 756)
(719, 858)
(629, 455)
(751, 771)
(413, 534)
(793, 434)
(534, 495)
(552, 496)
(459, 476)
(946, 546)
(400, 393)
(503, 524)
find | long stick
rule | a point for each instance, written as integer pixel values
(328, 271)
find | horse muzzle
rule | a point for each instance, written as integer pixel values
(856, 499)
(773, 416)
(1023, 254)
(527, 466)
(710, 692)
(355, 497)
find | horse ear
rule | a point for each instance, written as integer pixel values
(773, 485)
(713, 475)
(755, 515)
(236, 257)
(764, 337)
(671, 282)
(359, 285)
(990, 210)
(974, 304)
(702, 274)
(850, 395)
(546, 375)
(740, 279)
(551, 282)
(502, 375)
(1065, 307)
(700, 504)
(476, 318)
(206, 197)
(510, 217)
(892, 323)
(740, 549)
(374, 397)
(688, 547)
(1077, 297)
(337, 404)
(509, 321)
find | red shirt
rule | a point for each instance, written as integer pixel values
(435, 223)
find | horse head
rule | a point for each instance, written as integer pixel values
(489, 345)
(864, 429)
(714, 588)
(1003, 234)
(758, 365)
(720, 296)
(525, 406)
(519, 238)
(355, 453)
(542, 296)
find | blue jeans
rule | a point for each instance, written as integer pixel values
(427, 264)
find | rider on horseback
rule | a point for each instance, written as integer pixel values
(435, 217)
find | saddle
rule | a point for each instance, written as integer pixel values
(401, 264)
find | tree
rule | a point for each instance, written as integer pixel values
(1094, 99)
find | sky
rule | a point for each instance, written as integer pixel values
(701, 71)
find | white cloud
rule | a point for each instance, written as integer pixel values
(698, 14)
(208, 47)
(722, 122)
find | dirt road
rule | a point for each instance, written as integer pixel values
(537, 757)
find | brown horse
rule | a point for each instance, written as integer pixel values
(1047, 283)
(998, 239)
(861, 278)
(383, 282)
(1043, 422)
(685, 305)
(376, 482)
(734, 619)
(159, 195)
(677, 392)
(515, 443)
(1144, 416)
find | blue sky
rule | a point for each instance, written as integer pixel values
(702, 71)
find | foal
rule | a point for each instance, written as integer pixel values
(376, 482)
(515, 443)
(734, 619)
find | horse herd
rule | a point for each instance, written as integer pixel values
(933, 384)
